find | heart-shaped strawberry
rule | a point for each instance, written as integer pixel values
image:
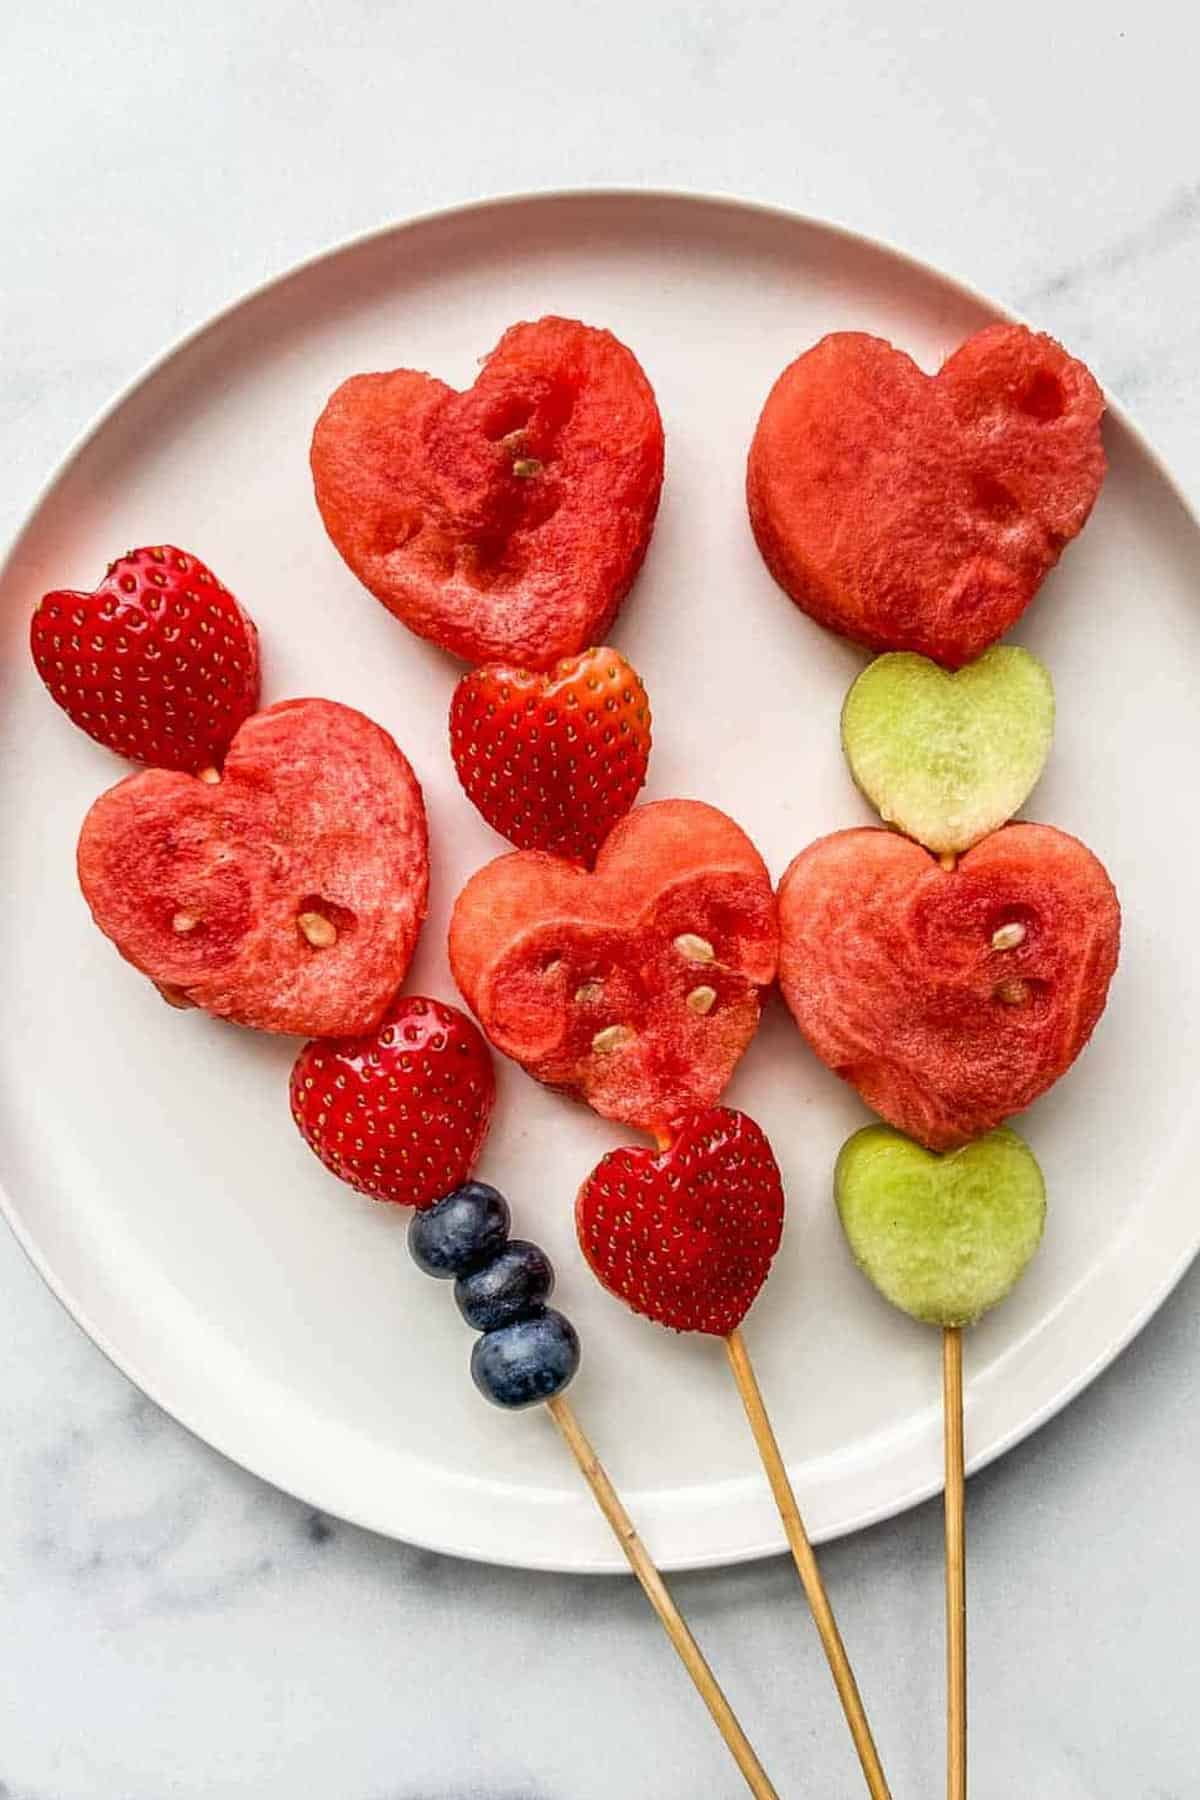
(949, 758)
(637, 987)
(506, 523)
(948, 999)
(553, 761)
(401, 1113)
(919, 513)
(158, 663)
(286, 893)
(686, 1236)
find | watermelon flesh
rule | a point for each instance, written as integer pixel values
(637, 987)
(287, 895)
(948, 999)
(505, 523)
(920, 513)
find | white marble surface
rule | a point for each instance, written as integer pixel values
(168, 1625)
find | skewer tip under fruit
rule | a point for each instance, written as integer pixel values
(366, 1107)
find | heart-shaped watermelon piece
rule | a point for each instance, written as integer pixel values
(637, 987)
(686, 1236)
(505, 523)
(949, 999)
(286, 893)
(911, 512)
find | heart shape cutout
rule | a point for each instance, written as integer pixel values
(950, 1000)
(944, 1238)
(949, 758)
(911, 512)
(553, 760)
(288, 893)
(505, 523)
(636, 987)
(686, 1236)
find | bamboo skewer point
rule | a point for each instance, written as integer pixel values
(806, 1565)
(656, 1591)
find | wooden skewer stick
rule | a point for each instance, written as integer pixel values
(956, 1569)
(806, 1565)
(656, 1592)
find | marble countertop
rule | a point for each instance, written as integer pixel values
(171, 1626)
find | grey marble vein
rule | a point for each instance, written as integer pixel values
(1177, 220)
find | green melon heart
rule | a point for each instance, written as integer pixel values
(942, 1237)
(949, 758)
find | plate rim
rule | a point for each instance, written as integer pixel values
(699, 198)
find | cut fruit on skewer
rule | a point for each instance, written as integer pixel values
(639, 986)
(553, 761)
(916, 512)
(944, 1238)
(949, 758)
(393, 1113)
(506, 523)
(949, 999)
(685, 1236)
(285, 893)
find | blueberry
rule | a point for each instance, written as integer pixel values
(458, 1233)
(528, 1361)
(513, 1285)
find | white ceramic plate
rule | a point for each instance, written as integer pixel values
(150, 1165)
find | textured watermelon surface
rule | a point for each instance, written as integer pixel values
(949, 999)
(287, 895)
(506, 522)
(638, 986)
(916, 512)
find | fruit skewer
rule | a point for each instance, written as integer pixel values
(401, 1114)
(944, 1237)
(685, 1236)
(985, 979)
(648, 1027)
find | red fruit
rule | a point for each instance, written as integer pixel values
(402, 1112)
(553, 761)
(637, 987)
(286, 894)
(506, 523)
(159, 663)
(948, 999)
(921, 513)
(686, 1237)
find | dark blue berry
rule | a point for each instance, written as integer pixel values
(516, 1283)
(523, 1363)
(458, 1233)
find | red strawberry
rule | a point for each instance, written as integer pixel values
(686, 1237)
(158, 663)
(401, 1114)
(553, 761)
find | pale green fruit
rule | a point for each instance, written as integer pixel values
(948, 758)
(942, 1237)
